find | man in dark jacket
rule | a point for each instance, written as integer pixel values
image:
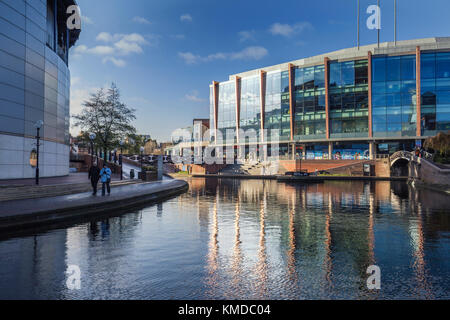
(94, 175)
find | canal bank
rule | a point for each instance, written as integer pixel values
(299, 178)
(36, 212)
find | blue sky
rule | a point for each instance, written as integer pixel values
(164, 54)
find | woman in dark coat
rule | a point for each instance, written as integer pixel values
(94, 175)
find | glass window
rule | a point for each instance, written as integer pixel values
(393, 69)
(393, 100)
(319, 76)
(335, 74)
(361, 72)
(443, 65)
(443, 84)
(299, 79)
(428, 85)
(408, 67)
(379, 88)
(379, 69)
(348, 73)
(285, 81)
(428, 66)
(309, 78)
(379, 100)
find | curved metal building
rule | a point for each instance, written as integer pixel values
(34, 85)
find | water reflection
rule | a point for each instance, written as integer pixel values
(247, 239)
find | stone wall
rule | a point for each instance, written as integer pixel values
(427, 172)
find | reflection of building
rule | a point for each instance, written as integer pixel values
(34, 85)
(351, 102)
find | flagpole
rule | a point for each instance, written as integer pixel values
(379, 22)
(395, 22)
(358, 25)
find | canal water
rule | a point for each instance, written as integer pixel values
(246, 239)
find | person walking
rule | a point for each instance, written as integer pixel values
(105, 175)
(94, 175)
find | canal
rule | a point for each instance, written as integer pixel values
(246, 239)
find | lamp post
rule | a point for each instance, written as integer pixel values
(92, 137)
(142, 155)
(121, 142)
(38, 126)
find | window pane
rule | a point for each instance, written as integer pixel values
(319, 76)
(335, 74)
(443, 65)
(427, 66)
(379, 69)
(408, 65)
(393, 68)
(348, 73)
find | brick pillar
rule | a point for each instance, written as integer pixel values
(238, 105)
(216, 105)
(418, 94)
(326, 61)
(262, 94)
(369, 86)
(291, 98)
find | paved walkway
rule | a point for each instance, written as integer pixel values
(53, 209)
(72, 178)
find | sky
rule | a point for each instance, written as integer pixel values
(164, 54)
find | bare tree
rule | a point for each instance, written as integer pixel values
(108, 117)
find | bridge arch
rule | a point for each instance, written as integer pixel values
(400, 163)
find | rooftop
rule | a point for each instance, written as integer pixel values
(404, 46)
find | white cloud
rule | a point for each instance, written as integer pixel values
(249, 53)
(86, 20)
(287, 30)
(193, 96)
(117, 62)
(97, 50)
(116, 45)
(246, 35)
(186, 18)
(141, 20)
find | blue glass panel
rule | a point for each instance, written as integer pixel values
(393, 68)
(427, 66)
(443, 65)
(443, 84)
(379, 69)
(378, 100)
(348, 73)
(408, 67)
(335, 74)
(379, 88)
(393, 100)
(393, 86)
(428, 85)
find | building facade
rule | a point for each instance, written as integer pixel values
(347, 104)
(34, 86)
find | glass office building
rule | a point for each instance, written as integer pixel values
(347, 104)
(34, 85)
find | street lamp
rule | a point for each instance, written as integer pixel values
(142, 157)
(38, 126)
(92, 137)
(121, 142)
